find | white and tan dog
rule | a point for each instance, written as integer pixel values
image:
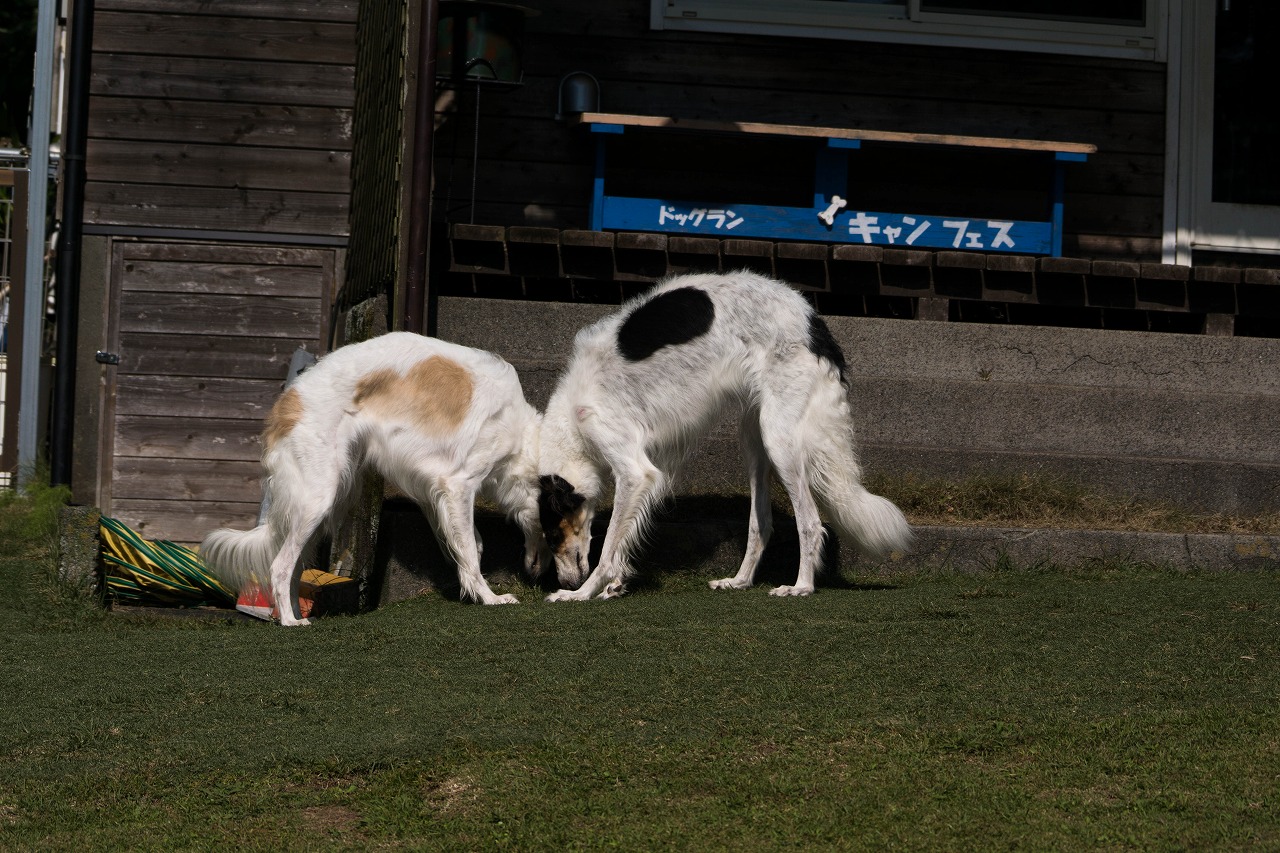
(441, 422)
(645, 383)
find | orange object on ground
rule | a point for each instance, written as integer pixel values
(318, 590)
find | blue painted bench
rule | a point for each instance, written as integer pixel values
(831, 219)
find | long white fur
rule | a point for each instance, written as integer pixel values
(635, 421)
(311, 471)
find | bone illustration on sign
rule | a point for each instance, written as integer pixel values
(828, 216)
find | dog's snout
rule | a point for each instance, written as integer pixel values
(571, 568)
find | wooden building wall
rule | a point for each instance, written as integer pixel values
(205, 335)
(535, 171)
(228, 116)
(218, 166)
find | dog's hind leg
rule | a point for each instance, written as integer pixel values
(784, 442)
(286, 575)
(808, 528)
(760, 525)
(304, 496)
(455, 520)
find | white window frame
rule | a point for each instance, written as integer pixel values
(905, 23)
(1193, 220)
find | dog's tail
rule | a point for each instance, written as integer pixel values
(237, 557)
(871, 522)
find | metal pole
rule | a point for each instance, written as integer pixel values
(67, 280)
(37, 207)
(419, 213)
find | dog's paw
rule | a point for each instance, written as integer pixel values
(730, 583)
(792, 590)
(503, 599)
(566, 595)
(290, 622)
(615, 589)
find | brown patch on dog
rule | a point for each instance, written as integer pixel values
(282, 418)
(376, 384)
(435, 394)
(571, 528)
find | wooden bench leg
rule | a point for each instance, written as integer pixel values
(1220, 325)
(935, 308)
(597, 188)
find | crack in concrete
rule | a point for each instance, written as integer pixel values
(1201, 365)
(1136, 366)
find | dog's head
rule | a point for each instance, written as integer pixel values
(566, 522)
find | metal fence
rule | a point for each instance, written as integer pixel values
(13, 250)
(6, 285)
(18, 307)
(374, 252)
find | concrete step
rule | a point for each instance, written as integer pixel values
(708, 536)
(1190, 420)
(543, 332)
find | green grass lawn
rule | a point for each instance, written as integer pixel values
(1116, 707)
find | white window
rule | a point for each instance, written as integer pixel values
(1115, 28)
(1228, 190)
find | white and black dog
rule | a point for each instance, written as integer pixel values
(645, 383)
(441, 422)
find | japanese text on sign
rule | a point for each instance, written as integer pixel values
(719, 218)
(906, 230)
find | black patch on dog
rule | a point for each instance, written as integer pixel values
(823, 345)
(557, 500)
(675, 317)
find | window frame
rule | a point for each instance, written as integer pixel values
(905, 22)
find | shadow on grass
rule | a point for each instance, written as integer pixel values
(706, 537)
(702, 537)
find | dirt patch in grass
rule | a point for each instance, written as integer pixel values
(452, 794)
(330, 819)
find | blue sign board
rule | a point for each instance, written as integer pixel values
(831, 219)
(834, 224)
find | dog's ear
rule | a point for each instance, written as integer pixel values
(559, 495)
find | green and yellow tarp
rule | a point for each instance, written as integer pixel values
(157, 572)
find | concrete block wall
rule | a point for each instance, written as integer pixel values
(1190, 419)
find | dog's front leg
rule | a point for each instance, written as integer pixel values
(607, 581)
(455, 513)
(599, 581)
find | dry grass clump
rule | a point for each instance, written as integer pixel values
(1046, 501)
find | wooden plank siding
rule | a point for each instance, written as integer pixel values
(230, 120)
(204, 334)
(532, 170)
(216, 208)
(234, 116)
(190, 35)
(185, 164)
(218, 123)
(343, 11)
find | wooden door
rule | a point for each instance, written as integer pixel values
(204, 334)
